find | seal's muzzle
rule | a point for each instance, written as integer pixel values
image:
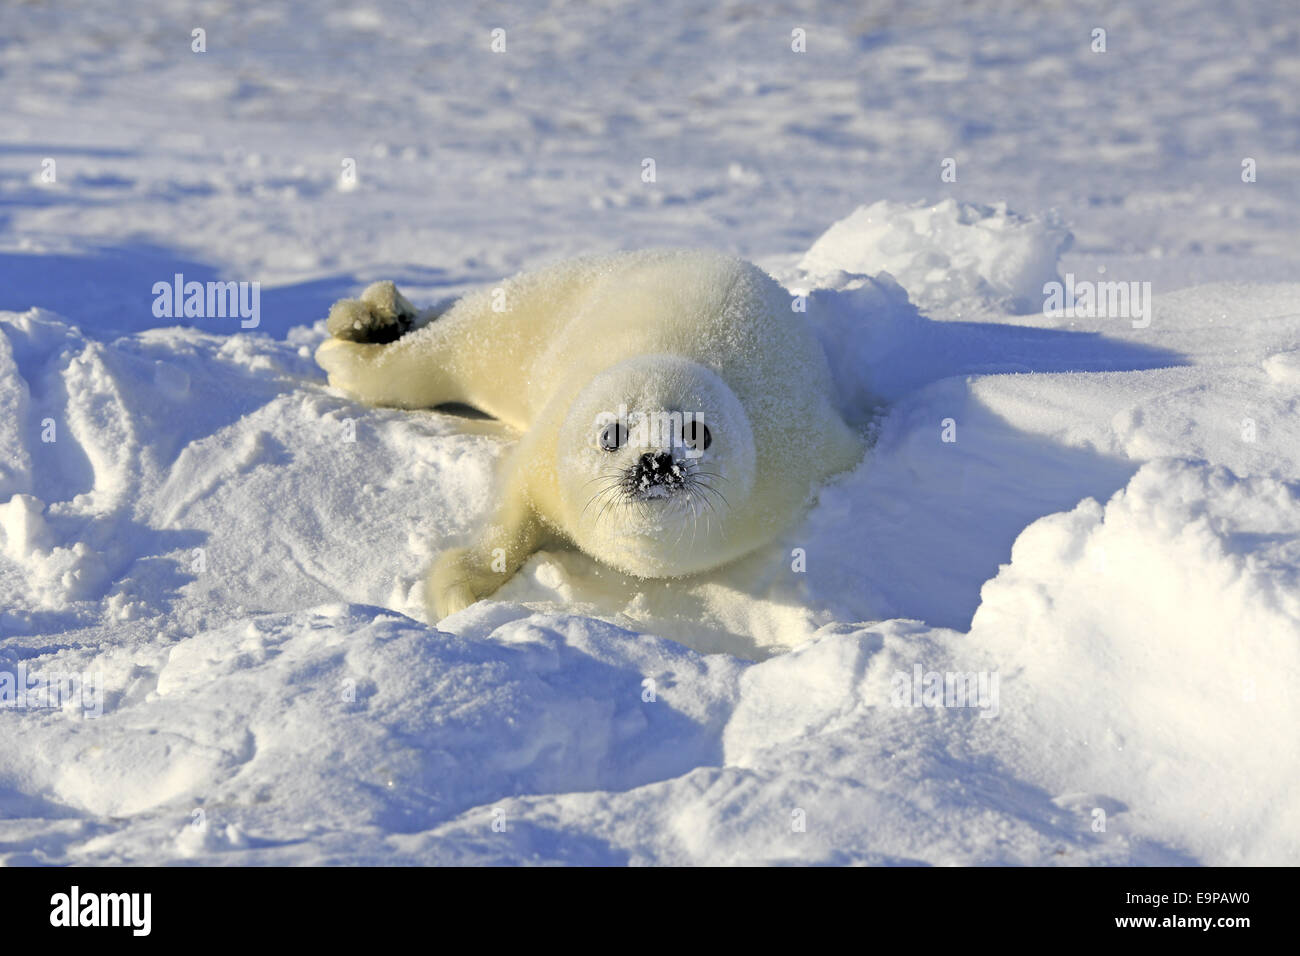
(657, 470)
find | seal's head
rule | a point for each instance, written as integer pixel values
(655, 456)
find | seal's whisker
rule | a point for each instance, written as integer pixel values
(695, 518)
(709, 488)
(601, 514)
(707, 501)
(695, 521)
(682, 530)
(714, 492)
(594, 498)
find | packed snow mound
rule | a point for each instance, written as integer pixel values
(370, 719)
(1155, 641)
(864, 323)
(950, 257)
(349, 734)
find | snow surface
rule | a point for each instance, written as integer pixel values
(1114, 534)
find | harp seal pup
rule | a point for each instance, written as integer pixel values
(675, 411)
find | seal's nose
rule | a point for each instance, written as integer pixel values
(657, 468)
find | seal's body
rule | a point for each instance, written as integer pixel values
(675, 412)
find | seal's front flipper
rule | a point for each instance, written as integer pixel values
(458, 579)
(462, 576)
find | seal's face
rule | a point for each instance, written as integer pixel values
(656, 455)
(665, 443)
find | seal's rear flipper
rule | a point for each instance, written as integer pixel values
(380, 316)
(375, 351)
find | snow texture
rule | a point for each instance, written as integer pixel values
(1095, 520)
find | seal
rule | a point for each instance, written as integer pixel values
(675, 411)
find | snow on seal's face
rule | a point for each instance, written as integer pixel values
(655, 455)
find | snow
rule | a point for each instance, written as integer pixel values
(223, 559)
(944, 253)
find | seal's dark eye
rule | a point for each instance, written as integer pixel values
(696, 435)
(613, 437)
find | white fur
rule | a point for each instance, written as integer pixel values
(652, 332)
